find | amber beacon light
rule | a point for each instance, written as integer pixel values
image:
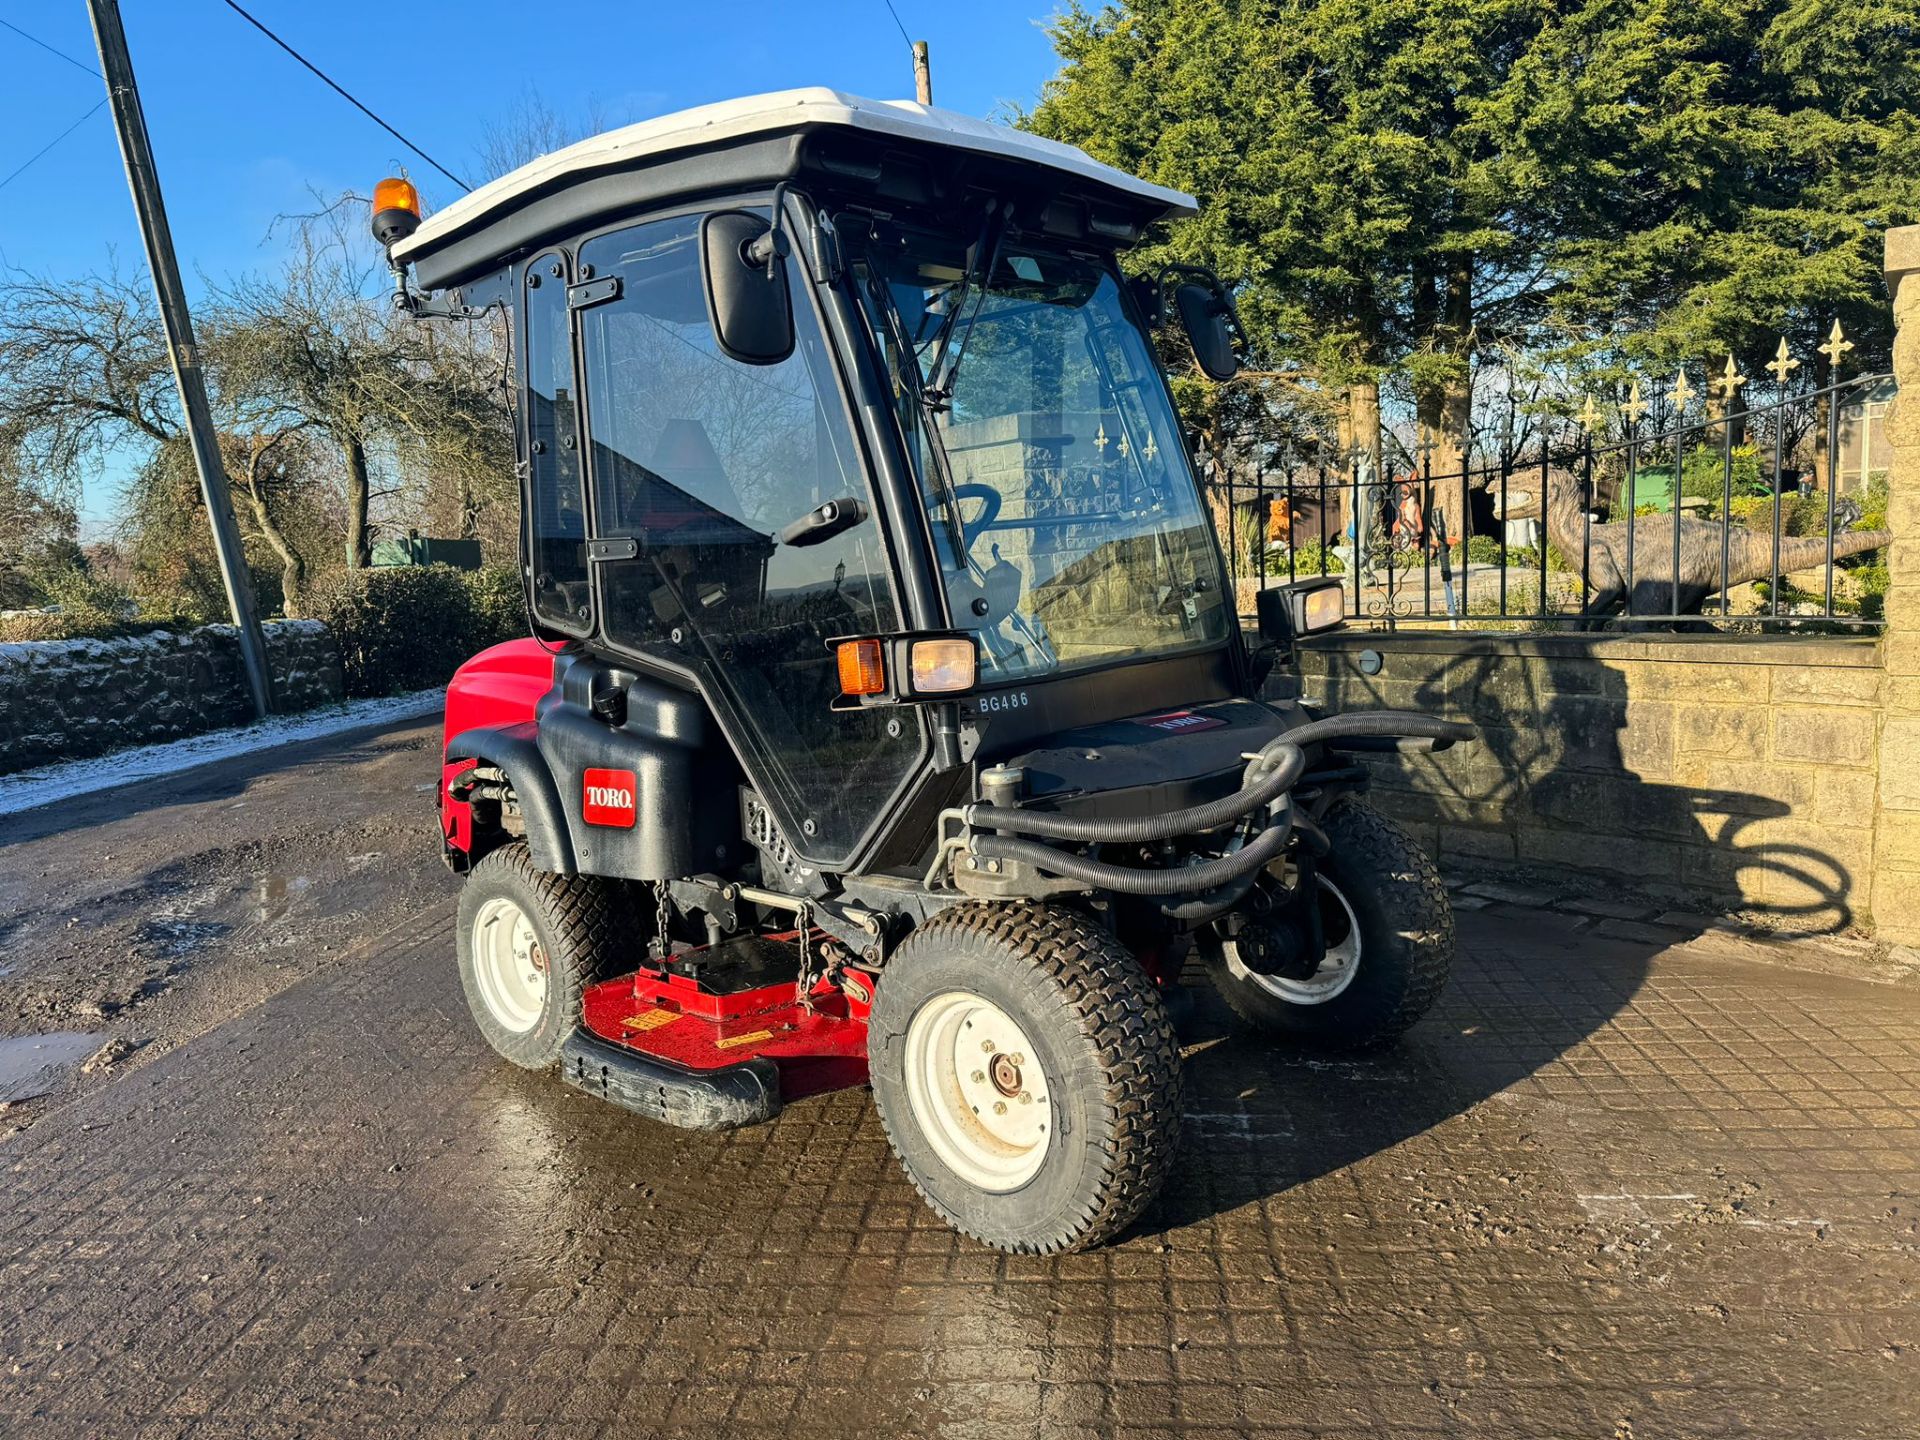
(396, 210)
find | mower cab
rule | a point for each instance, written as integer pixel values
(886, 707)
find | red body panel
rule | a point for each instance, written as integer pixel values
(499, 686)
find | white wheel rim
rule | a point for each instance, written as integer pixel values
(977, 1091)
(509, 965)
(1337, 967)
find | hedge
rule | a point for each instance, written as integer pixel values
(408, 627)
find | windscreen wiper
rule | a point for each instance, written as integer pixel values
(938, 390)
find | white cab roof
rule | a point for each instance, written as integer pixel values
(784, 110)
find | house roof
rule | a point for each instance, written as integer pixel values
(756, 117)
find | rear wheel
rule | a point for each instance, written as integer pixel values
(1027, 1076)
(529, 943)
(1388, 927)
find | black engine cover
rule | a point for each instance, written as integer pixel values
(1147, 764)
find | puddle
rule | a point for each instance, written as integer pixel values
(274, 893)
(30, 1065)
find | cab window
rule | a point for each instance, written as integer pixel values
(557, 520)
(703, 462)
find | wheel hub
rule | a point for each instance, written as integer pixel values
(1273, 947)
(976, 1094)
(1313, 980)
(509, 964)
(1005, 1074)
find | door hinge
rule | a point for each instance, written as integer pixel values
(593, 292)
(621, 547)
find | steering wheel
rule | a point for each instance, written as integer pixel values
(990, 502)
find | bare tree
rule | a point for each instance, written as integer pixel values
(320, 347)
(532, 128)
(83, 370)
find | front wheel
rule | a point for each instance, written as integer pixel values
(1388, 927)
(1027, 1076)
(529, 944)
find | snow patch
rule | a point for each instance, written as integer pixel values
(29, 789)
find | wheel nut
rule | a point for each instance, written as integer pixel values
(979, 1077)
(999, 1107)
(1018, 1059)
(987, 1046)
(1026, 1097)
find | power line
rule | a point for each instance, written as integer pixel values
(34, 39)
(51, 143)
(342, 92)
(896, 20)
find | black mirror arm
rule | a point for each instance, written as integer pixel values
(774, 245)
(1223, 298)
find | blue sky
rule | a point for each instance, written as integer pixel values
(241, 133)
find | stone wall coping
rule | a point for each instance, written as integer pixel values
(1902, 255)
(133, 642)
(1801, 650)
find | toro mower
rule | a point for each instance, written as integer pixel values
(886, 715)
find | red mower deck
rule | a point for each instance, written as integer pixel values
(700, 1023)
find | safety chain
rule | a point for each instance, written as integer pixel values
(805, 982)
(663, 912)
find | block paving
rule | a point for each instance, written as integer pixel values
(1613, 1187)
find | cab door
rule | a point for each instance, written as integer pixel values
(697, 464)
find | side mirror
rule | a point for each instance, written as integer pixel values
(742, 261)
(1207, 316)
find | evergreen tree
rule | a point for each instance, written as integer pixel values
(1401, 187)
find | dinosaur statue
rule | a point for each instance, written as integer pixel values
(1749, 553)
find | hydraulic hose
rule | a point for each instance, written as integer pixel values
(1134, 830)
(1125, 880)
(1396, 724)
(1222, 883)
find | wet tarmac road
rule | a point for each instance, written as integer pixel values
(1607, 1190)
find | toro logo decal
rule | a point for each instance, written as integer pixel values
(607, 798)
(1182, 720)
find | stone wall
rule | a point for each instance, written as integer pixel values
(62, 699)
(1897, 831)
(1724, 773)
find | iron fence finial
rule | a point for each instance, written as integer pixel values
(1729, 382)
(1836, 346)
(1682, 393)
(1589, 415)
(1783, 364)
(1634, 406)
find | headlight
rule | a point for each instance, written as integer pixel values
(1321, 608)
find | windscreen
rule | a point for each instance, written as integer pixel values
(1064, 513)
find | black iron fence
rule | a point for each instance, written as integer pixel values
(1681, 509)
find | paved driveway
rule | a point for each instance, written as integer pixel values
(1610, 1189)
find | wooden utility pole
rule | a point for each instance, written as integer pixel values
(130, 123)
(922, 74)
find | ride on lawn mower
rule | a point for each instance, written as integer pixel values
(886, 714)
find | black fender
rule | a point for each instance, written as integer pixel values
(515, 750)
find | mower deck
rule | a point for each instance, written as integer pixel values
(715, 1009)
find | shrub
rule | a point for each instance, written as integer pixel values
(499, 604)
(409, 627)
(1799, 514)
(1481, 550)
(1703, 474)
(1309, 559)
(90, 606)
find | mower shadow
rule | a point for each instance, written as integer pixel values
(1263, 1117)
